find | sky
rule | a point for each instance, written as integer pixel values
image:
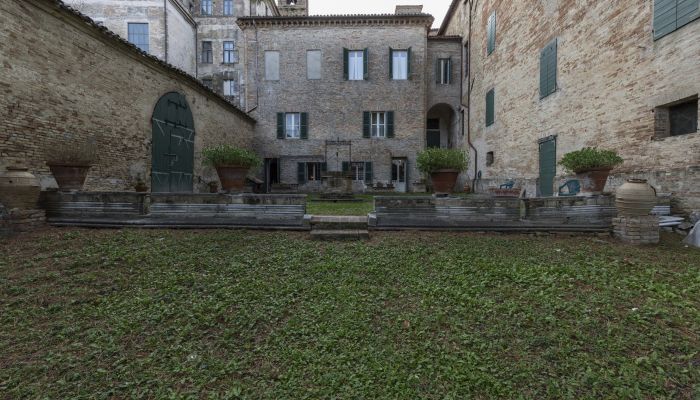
(437, 8)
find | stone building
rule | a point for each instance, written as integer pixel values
(550, 77)
(350, 93)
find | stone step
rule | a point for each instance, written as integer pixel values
(329, 222)
(344, 234)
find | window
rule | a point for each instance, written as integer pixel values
(206, 7)
(313, 64)
(378, 124)
(355, 64)
(490, 107)
(208, 83)
(358, 171)
(230, 88)
(229, 53)
(272, 65)
(310, 172)
(676, 119)
(207, 54)
(491, 34)
(489, 158)
(138, 35)
(671, 15)
(548, 70)
(433, 134)
(444, 71)
(292, 125)
(400, 64)
(228, 7)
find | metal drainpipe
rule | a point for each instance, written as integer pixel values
(257, 73)
(165, 22)
(469, 97)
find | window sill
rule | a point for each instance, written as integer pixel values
(661, 139)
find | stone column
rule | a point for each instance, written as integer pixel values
(637, 230)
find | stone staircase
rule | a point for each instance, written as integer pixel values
(339, 227)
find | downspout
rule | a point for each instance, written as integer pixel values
(257, 73)
(165, 22)
(470, 86)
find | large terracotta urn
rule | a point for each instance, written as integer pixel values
(635, 198)
(19, 188)
(232, 177)
(69, 177)
(593, 181)
(444, 180)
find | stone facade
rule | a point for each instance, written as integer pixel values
(94, 86)
(171, 28)
(637, 230)
(613, 81)
(335, 106)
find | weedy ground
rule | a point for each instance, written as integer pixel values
(106, 314)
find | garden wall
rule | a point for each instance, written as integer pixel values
(66, 79)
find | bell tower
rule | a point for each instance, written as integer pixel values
(293, 8)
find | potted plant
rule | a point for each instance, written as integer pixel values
(232, 165)
(443, 166)
(592, 168)
(70, 162)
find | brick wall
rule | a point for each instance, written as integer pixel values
(69, 81)
(611, 77)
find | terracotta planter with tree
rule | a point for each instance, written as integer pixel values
(592, 168)
(70, 162)
(232, 165)
(443, 166)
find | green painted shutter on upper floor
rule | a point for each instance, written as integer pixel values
(391, 63)
(280, 125)
(366, 124)
(365, 63)
(346, 63)
(390, 124)
(304, 128)
(408, 63)
(670, 15)
(490, 107)
(491, 34)
(548, 69)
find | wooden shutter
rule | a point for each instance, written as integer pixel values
(491, 34)
(687, 11)
(391, 63)
(548, 69)
(346, 167)
(449, 70)
(408, 63)
(365, 62)
(324, 168)
(366, 124)
(346, 63)
(438, 71)
(280, 126)
(665, 20)
(490, 107)
(301, 173)
(369, 176)
(304, 125)
(390, 124)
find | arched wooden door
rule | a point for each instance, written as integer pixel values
(173, 145)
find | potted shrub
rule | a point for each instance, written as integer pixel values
(70, 162)
(443, 166)
(232, 165)
(592, 168)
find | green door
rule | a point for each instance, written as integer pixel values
(173, 145)
(548, 165)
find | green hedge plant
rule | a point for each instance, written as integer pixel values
(230, 156)
(590, 158)
(432, 160)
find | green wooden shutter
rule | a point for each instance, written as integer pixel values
(366, 124)
(390, 124)
(391, 63)
(280, 125)
(449, 70)
(346, 167)
(346, 63)
(365, 62)
(548, 69)
(301, 173)
(304, 125)
(369, 176)
(665, 20)
(490, 107)
(324, 168)
(438, 71)
(491, 34)
(687, 11)
(408, 62)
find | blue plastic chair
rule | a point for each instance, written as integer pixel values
(573, 188)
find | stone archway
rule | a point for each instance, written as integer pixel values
(440, 126)
(173, 145)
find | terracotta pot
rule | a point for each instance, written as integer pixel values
(635, 198)
(444, 180)
(19, 188)
(232, 177)
(141, 187)
(593, 181)
(69, 177)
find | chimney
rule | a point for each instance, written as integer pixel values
(408, 10)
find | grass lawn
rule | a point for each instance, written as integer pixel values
(233, 314)
(363, 207)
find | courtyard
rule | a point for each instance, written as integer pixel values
(238, 314)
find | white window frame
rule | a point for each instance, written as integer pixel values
(399, 62)
(444, 67)
(292, 125)
(356, 65)
(230, 88)
(228, 7)
(205, 8)
(229, 54)
(358, 171)
(378, 125)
